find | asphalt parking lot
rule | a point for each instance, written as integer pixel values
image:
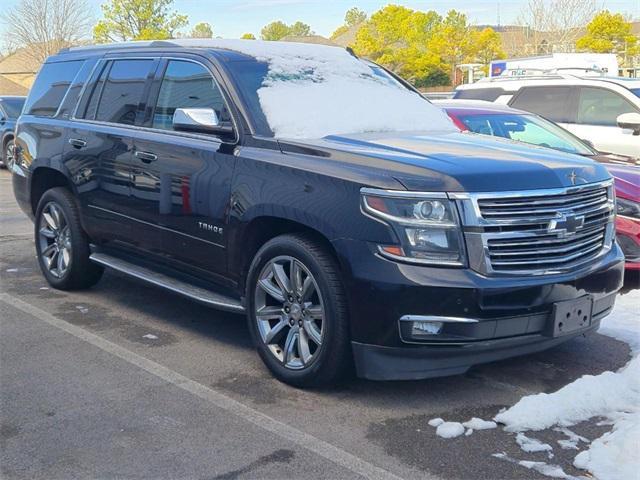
(127, 381)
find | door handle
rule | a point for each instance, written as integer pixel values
(77, 142)
(146, 157)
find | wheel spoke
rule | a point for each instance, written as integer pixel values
(66, 256)
(47, 232)
(296, 278)
(52, 260)
(271, 289)
(49, 251)
(315, 311)
(269, 313)
(289, 346)
(307, 289)
(48, 217)
(281, 278)
(61, 263)
(275, 333)
(313, 332)
(58, 216)
(303, 347)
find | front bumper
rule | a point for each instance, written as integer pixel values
(513, 313)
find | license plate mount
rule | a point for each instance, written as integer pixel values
(571, 316)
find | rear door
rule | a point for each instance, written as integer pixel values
(100, 142)
(597, 112)
(181, 181)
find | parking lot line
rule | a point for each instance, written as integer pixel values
(313, 444)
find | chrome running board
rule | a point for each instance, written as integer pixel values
(193, 292)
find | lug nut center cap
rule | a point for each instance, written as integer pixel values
(296, 311)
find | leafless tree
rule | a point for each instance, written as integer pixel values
(46, 26)
(555, 25)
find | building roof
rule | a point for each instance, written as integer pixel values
(8, 87)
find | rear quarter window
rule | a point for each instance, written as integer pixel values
(50, 87)
(552, 103)
(487, 94)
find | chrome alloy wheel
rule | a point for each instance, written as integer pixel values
(54, 238)
(9, 155)
(289, 311)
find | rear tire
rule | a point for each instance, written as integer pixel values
(8, 158)
(297, 312)
(62, 245)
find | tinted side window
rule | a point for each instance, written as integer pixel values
(50, 87)
(12, 106)
(597, 106)
(552, 103)
(123, 91)
(187, 85)
(488, 94)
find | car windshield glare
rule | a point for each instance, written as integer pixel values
(312, 91)
(526, 128)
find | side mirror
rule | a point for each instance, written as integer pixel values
(589, 143)
(630, 121)
(201, 120)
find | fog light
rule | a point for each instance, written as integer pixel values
(419, 329)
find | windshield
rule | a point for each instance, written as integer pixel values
(13, 106)
(525, 128)
(313, 91)
(636, 91)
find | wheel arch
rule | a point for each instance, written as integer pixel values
(43, 179)
(260, 230)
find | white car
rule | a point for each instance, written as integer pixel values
(605, 111)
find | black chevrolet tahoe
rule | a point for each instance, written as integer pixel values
(318, 194)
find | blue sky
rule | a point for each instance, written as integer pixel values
(232, 18)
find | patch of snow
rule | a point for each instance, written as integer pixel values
(150, 336)
(44, 288)
(568, 444)
(479, 424)
(468, 432)
(572, 436)
(613, 395)
(312, 91)
(435, 422)
(12, 270)
(531, 444)
(553, 471)
(82, 309)
(450, 430)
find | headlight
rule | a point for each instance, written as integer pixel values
(426, 224)
(627, 208)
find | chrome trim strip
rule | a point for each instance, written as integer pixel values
(167, 229)
(419, 261)
(401, 193)
(433, 318)
(530, 193)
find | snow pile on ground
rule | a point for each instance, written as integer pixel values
(312, 91)
(450, 430)
(531, 444)
(613, 395)
(479, 424)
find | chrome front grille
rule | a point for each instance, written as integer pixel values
(539, 231)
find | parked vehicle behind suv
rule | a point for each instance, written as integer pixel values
(340, 211)
(488, 118)
(602, 110)
(10, 108)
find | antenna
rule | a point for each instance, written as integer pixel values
(499, 13)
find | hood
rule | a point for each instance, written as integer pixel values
(456, 161)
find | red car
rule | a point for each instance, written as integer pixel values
(502, 121)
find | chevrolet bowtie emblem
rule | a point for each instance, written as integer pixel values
(566, 224)
(573, 177)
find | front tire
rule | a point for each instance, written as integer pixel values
(297, 312)
(62, 246)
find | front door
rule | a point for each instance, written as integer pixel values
(181, 181)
